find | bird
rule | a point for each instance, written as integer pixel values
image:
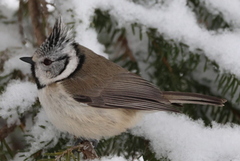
(91, 97)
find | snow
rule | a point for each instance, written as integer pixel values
(14, 63)
(175, 136)
(228, 10)
(12, 4)
(179, 138)
(86, 36)
(9, 33)
(42, 133)
(17, 98)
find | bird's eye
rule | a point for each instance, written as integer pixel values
(47, 61)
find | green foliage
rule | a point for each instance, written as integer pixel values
(5, 151)
(135, 147)
(209, 20)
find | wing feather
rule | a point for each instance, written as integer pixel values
(124, 90)
(97, 84)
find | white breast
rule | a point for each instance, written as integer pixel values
(82, 120)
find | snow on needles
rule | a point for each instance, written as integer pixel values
(9, 32)
(230, 11)
(41, 135)
(19, 96)
(14, 63)
(179, 138)
(176, 21)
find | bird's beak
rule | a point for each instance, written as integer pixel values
(27, 60)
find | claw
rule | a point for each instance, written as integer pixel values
(80, 140)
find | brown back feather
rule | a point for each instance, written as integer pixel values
(103, 84)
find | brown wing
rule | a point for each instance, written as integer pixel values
(128, 91)
(103, 84)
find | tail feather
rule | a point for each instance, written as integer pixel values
(192, 98)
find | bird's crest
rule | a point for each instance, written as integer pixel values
(59, 38)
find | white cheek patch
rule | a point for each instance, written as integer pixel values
(70, 68)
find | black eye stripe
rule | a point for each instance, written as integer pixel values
(59, 59)
(65, 63)
(62, 58)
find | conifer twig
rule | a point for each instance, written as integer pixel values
(20, 14)
(34, 10)
(124, 44)
(164, 59)
(5, 131)
(85, 147)
(45, 14)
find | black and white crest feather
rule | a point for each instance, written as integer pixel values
(60, 37)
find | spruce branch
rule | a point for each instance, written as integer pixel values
(164, 59)
(34, 10)
(5, 131)
(86, 148)
(20, 17)
(122, 40)
(45, 14)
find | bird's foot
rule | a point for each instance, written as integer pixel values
(80, 140)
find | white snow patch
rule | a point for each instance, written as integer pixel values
(40, 134)
(17, 98)
(83, 12)
(178, 138)
(14, 63)
(9, 36)
(229, 10)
